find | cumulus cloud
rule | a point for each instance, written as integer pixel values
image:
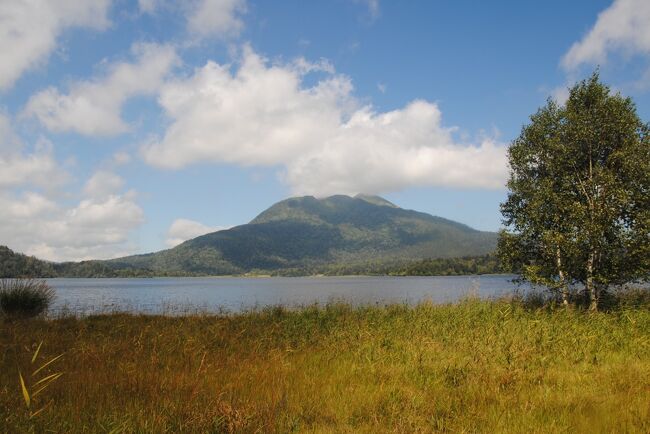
(95, 227)
(30, 205)
(624, 26)
(37, 215)
(37, 168)
(215, 18)
(264, 114)
(184, 229)
(29, 29)
(379, 152)
(94, 107)
(20, 165)
(103, 183)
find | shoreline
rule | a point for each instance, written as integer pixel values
(270, 276)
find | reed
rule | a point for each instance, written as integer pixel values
(475, 366)
(24, 297)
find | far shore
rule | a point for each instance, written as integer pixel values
(271, 276)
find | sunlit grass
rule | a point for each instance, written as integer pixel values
(477, 366)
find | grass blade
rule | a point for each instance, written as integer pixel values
(52, 376)
(32, 415)
(48, 363)
(24, 389)
(46, 384)
(37, 351)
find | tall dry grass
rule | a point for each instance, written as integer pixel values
(477, 366)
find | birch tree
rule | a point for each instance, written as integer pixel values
(578, 209)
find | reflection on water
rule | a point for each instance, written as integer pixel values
(233, 294)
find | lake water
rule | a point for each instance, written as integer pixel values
(234, 294)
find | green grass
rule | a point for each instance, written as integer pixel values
(476, 366)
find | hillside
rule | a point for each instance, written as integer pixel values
(14, 264)
(298, 236)
(306, 233)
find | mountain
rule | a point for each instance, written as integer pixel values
(14, 264)
(18, 265)
(306, 233)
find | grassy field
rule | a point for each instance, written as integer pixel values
(476, 366)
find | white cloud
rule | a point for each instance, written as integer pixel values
(94, 107)
(36, 218)
(102, 184)
(260, 116)
(379, 152)
(263, 114)
(37, 168)
(22, 166)
(93, 228)
(31, 205)
(208, 18)
(624, 26)
(560, 94)
(184, 229)
(29, 29)
(108, 214)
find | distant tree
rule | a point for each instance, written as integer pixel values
(578, 210)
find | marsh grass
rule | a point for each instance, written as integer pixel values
(24, 298)
(476, 366)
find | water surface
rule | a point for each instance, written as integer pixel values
(235, 294)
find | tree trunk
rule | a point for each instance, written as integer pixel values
(563, 285)
(590, 287)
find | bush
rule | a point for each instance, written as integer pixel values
(25, 297)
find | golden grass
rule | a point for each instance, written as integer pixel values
(477, 366)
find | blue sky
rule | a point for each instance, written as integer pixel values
(129, 126)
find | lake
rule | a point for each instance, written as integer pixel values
(235, 294)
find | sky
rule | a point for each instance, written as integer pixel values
(129, 126)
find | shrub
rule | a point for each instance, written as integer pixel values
(25, 297)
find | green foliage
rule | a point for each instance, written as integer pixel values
(17, 265)
(578, 210)
(486, 264)
(25, 298)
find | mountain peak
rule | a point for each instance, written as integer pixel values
(375, 200)
(331, 209)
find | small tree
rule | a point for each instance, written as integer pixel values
(578, 210)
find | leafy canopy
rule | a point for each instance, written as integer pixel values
(578, 210)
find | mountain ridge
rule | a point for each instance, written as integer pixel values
(304, 235)
(301, 232)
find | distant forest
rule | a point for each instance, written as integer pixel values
(18, 265)
(484, 264)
